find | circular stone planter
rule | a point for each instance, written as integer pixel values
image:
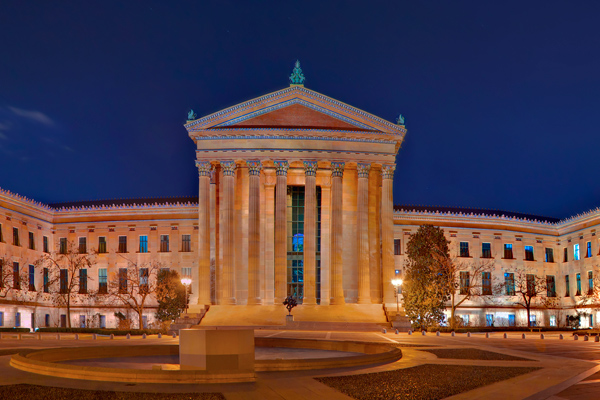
(48, 361)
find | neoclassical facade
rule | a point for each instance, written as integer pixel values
(294, 199)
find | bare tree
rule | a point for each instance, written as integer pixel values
(134, 286)
(11, 282)
(527, 289)
(65, 270)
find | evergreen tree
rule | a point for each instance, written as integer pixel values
(427, 284)
(170, 294)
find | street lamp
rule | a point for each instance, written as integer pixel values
(186, 282)
(397, 283)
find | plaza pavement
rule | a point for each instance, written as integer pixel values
(570, 369)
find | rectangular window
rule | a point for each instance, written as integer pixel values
(82, 321)
(464, 282)
(528, 253)
(566, 255)
(576, 252)
(46, 281)
(397, 247)
(47, 320)
(45, 240)
(83, 281)
(590, 282)
(64, 281)
(511, 320)
(63, 321)
(32, 278)
(17, 320)
(186, 272)
(16, 276)
(122, 244)
(486, 250)
(82, 245)
(508, 251)
(186, 243)
(550, 286)
(464, 249)
(567, 286)
(31, 241)
(509, 283)
(164, 243)
(143, 244)
(578, 292)
(486, 283)
(588, 253)
(549, 255)
(102, 281)
(1, 273)
(143, 280)
(530, 278)
(1, 237)
(489, 319)
(102, 321)
(1, 318)
(101, 244)
(532, 320)
(465, 319)
(62, 245)
(16, 237)
(553, 320)
(122, 280)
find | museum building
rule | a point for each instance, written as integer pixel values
(294, 199)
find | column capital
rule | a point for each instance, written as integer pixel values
(281, 167)
(337, 169)
(204, 168)
(387, 171)
(363, 169)
(254, 167)
(228, 168)
(310, 168)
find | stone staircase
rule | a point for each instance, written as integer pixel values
(398, 320)
(186, 321)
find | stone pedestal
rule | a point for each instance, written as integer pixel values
(402, 323)
(212, 350)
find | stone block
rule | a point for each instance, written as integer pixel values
(227, 351)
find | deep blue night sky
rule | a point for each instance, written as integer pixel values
(501, 99)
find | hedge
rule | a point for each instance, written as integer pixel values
(483, 329)
(99, 331)
(15, 330)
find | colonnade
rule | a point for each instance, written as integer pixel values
(366, 244)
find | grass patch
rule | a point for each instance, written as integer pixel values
(473, 354)
(425, 382)
(35, 392)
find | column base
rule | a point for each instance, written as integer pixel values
(255, 302)
(309, 302)
(229, 302)
(337, 300)
(364, 301)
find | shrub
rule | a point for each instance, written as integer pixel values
(116, 332)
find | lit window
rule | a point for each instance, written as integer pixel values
(588, 253)
(31, 278)
(143, 280)
(486, 250)
(578, 292)
(590, 282)
(102, 281)
(143, 244)
(553, 320)
(464, 249)
(489, 319)
(17, 320)
(528, 253)
(509, 283)
(532, 320)
(576, 252)
(550, 286)
(549, 255)
(101, 244)
(508, 251)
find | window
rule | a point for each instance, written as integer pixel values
(464, 282)
(1, 273)
(486, 283)
(186, 272)
(511, 320)
(102, 281)
(550, 286)
(566, 255)
(529, 253)
(489, 319)
(578, 292)
(31, 278)
(576, 252)
(553, 320)
(549, 255)
(82, 245)
(17, 320)
(1, 238)
(83, 281)
(46, 281)
(143, 244)
(16, 277)
(143, 280)
(164, 243)
(530, 279)
(486, 250)
(122, 280)
(509, 283)
(31, 241)
(567, 287)
(102, 321)
(45, 239)
(465, 319)
(464, 249)
(47, 320)
(532, 320)
(64, 281)
(186, 243)
(397, 247)
(63, 245)
(1, 318)
(590, 282)
(82, 321)
(101, 244)
(16, 237)
(508, 253)
(588, 253)
(122, 244)
(63, 321)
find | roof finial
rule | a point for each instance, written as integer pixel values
(400, 120)
(297, 77)
(191, 115)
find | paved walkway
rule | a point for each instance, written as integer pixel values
(570, 369)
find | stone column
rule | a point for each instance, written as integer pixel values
(228, 280)
(269, 281)
(387, 231)
(281, 231)
(254, 168)
(203, 284)
(310, 230)
(337, 239)
(364, 281)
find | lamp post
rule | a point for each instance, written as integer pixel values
(186, 282)
(397, 283)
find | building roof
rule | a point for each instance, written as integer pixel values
(126, 202)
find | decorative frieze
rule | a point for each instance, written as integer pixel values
(337, 169)
(310, 168)
(387, 171)
(204, 168)
(363, 169)
(281, 167)
(254, 167)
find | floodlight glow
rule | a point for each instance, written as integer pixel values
(186, 281)
(397, 282)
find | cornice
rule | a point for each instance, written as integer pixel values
(235, 135)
